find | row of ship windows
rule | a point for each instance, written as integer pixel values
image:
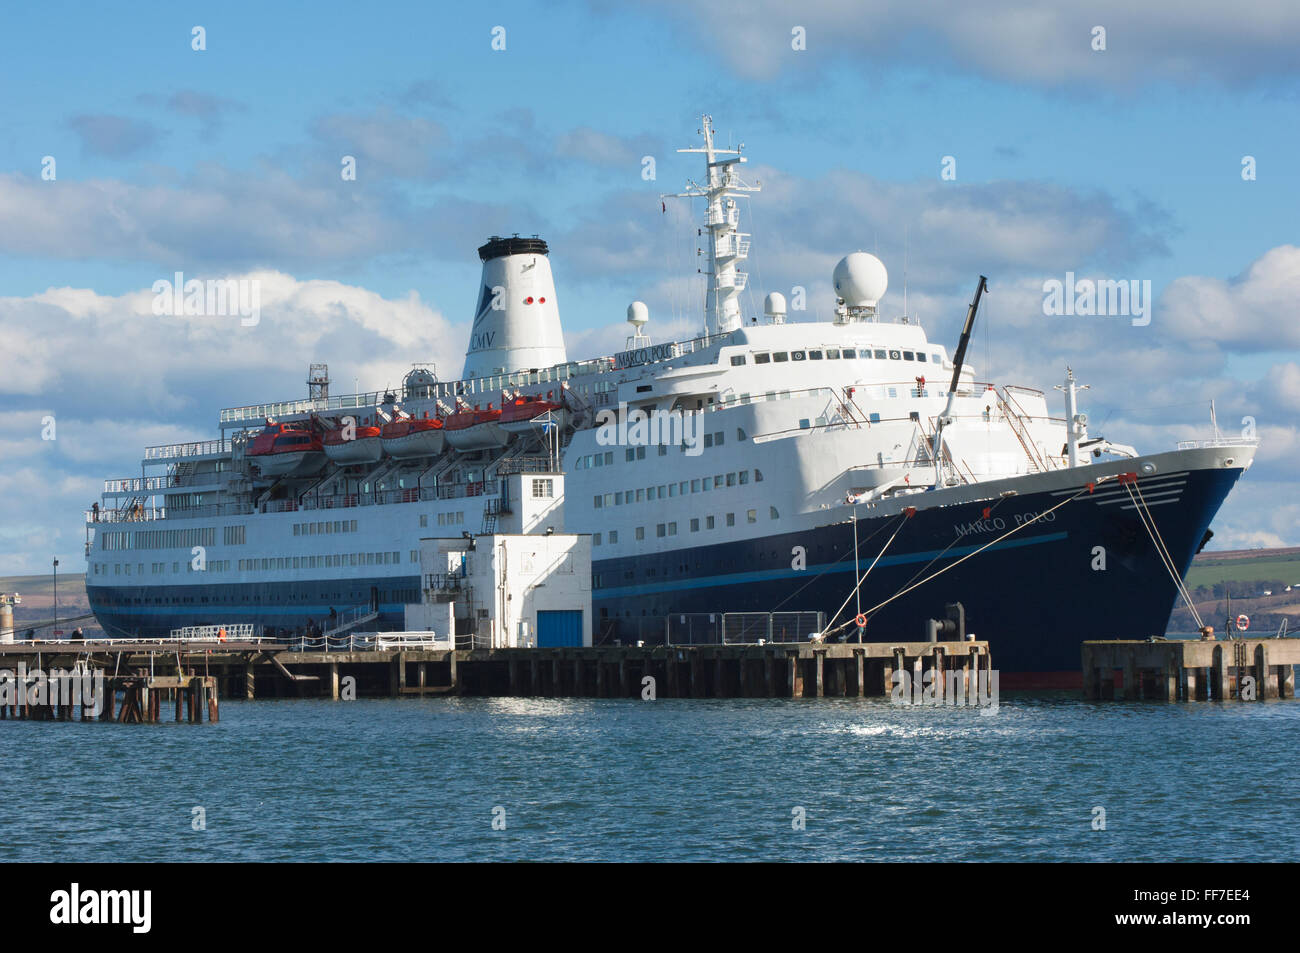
(158, 539)
(445, 519)
(831, 354)
(117, 540)
(156, 569)
(324, 561)
(327, 561)
(324, 527)
(669, 490)
(591, 461)
(670, 529)
(291, 595)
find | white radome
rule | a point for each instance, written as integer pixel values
(860, 280)
(638, 314)
(774, 304)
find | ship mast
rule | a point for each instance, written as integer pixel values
(728, 246)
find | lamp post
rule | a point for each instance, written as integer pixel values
(55, 627)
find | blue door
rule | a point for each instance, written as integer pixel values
(559, 628)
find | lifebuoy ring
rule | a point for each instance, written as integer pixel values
(861, 620)
(1243, 622)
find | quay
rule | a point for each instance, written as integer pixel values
(146, 672)
(1186, 670)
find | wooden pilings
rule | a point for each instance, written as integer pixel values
(1184, 670)
(127, 699)
(794, 670)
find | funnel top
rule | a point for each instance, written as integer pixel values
(498, 247)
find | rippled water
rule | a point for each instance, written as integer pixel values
(666, 780)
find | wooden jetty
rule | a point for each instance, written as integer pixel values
(143, 673)
(784, 670)
(1189, 670)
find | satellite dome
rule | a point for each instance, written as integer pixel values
(774, 304)
(860, 279)
(638, 314)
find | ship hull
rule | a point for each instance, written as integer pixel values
(1035, 596)
(1086, 570)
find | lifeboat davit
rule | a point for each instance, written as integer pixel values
(476, 429)
(519, 416)
(283, 450)
(413, 437)
(362, 447)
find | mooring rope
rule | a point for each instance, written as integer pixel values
(1149, 524)
(906, 514)
(902, 592)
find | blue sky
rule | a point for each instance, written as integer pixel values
(1124, 163)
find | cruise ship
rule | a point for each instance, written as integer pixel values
(849, 467)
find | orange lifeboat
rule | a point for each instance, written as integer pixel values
(282, 450)
(413, 437)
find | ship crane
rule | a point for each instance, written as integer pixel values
(958, 360)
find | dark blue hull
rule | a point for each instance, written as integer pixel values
(279, 607)
(1035, 596)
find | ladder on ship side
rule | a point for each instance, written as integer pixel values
(350, 619)
(491, 510)
(181, 471)
(1021, 430)
(926, 425)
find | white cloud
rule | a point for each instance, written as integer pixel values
(1254, 311)
(1185, 41)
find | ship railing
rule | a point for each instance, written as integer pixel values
(371, 642)
(128, 515)
(284, 408)
(1210, 442)
(197, 448)
(742, 628)
(168, 641)
(442, 582)
(236, 632)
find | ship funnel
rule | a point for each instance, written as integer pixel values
(516, 323)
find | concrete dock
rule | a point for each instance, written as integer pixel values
(1178, 670)
(265, 669)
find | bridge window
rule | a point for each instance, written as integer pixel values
(880, 355)
(814, 355)
(895, 355)
(737, 360)
(832, 354)
(909, 356)
(849, 353)
(781, 357)
(762, 358)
